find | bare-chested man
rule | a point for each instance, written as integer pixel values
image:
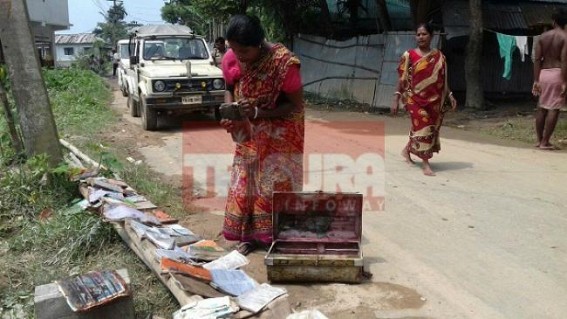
(550, 78)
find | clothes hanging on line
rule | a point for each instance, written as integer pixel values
(522, 45)
(507, 44)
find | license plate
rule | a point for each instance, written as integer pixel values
(192, 99)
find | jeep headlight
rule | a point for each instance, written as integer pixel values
(159, 86)
(218, 84)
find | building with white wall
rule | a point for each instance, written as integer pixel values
(69, 46)
(46, 17)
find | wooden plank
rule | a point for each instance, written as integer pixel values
(144, 251)
(278, 309)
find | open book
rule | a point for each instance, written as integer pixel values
(92, 289)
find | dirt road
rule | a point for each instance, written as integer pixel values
(485, 238)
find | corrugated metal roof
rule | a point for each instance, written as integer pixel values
(511, 18)
(163, 29)
(503, 17)
(551, 1)
(540, 13)
(80, 38)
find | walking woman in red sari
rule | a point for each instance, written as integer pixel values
(264, 79)
(422, 88)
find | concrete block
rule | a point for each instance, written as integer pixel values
(51, 304)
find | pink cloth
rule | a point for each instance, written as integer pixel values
(231, 73)
(230, 67)
(550, 82)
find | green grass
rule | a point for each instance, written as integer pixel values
(79, 100)
(43, 236)
(522, 129)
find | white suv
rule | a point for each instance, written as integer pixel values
(171, 70)
(124, 65)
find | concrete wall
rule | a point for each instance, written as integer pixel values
(51, 12)
(362, 69)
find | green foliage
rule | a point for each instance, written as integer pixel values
(29, 189)
(280, 19)
(70, 235)
(79, 100)
(114, 28)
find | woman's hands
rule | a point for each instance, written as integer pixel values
(228, 125)
(248, 108)
(395, 104)
(453, 102)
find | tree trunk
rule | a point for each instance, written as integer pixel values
(353, 6)
(325, 18)
(36, 119)
(419, 10)
(243, 6)
(475, 96)
(383, 16)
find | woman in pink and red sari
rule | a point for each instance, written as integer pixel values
(423, 89)
(264, 79)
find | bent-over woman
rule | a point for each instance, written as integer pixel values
(264, 79)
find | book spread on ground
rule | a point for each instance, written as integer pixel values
(205, 250)
(211, 308)
(232, 282)
(92, 289)
(256, 299)
(233, 260)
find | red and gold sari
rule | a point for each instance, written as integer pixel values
(424, 90)
(272, 159)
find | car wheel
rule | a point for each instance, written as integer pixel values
(124, 90)
(133, 106)
(149, 116)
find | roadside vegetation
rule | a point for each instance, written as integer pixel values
(44, 235)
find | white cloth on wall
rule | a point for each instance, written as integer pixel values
(522, 44)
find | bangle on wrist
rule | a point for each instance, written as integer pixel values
(255, 112)
(398, 93)
(451, 93)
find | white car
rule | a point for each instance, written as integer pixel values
(171, 70)
(124, 65)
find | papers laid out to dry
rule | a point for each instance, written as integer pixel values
(205, 250)
(92, 289)
(121, 212)
(176, 254)
(232, 282)
(153, 234)
(195, 286)
(211, 308)
(233, 260)
(163, 217)
(256, 299)
(170, 265)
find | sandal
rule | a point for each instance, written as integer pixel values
(246, 248)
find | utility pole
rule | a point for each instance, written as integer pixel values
(34, 109)
(114, 22)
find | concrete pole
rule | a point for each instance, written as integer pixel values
(34, 109)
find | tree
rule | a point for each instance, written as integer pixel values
(474, 95)
(114, 28)
(196, 14)
(28, 88)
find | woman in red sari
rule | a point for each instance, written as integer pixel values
(264, 79)
(423, 89)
